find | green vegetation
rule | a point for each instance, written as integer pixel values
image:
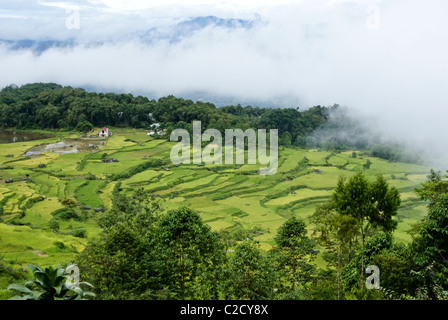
(370, 205)
(50, 284)
(142, 228)
(51, 106)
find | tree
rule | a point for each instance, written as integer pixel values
(295, 248)
(367, 164)
(69, 202)
(189, 249)
(50, 284)
(435, 188)
(123, 262)
(42, 105)
(373, 205)
(250, 273)
(299, 141)
(430, 288)
(430, 244)
(84, 127)
(285, 139)
(54, 224)
(395, 263)
(335, 232)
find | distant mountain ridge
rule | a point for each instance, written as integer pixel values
(188, 27)
(173, 33)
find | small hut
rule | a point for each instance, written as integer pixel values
(105, 132)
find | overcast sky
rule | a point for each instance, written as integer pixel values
(386, 59)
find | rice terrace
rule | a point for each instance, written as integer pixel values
(224, 158)
(35, 189)
(228, 197)
(107, 196)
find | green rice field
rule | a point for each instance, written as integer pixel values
(226, 196)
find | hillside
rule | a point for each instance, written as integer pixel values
(53, 189)
(228, 196)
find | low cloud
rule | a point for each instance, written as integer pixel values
(386, 60)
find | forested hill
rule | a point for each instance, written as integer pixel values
(52, 106)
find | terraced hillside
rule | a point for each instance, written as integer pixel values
(75, 185)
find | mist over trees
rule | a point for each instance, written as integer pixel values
(52, 106)
(345, 130)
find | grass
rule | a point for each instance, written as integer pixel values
(227, 196)
(23, 245)
(88, 194)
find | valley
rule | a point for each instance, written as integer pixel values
(228, 197)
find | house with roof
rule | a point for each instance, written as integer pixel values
(105, 132)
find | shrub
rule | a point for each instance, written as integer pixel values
(54, 224)
(69, 202)
(80, 233)
(65, 214)
(59, 245)
(153, 163)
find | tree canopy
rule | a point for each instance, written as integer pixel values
(52, 106)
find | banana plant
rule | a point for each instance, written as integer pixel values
(52, 283)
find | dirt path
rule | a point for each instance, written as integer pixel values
(40, 253)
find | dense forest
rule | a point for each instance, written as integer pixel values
(51, 106)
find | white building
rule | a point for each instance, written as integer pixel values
(105, 132)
